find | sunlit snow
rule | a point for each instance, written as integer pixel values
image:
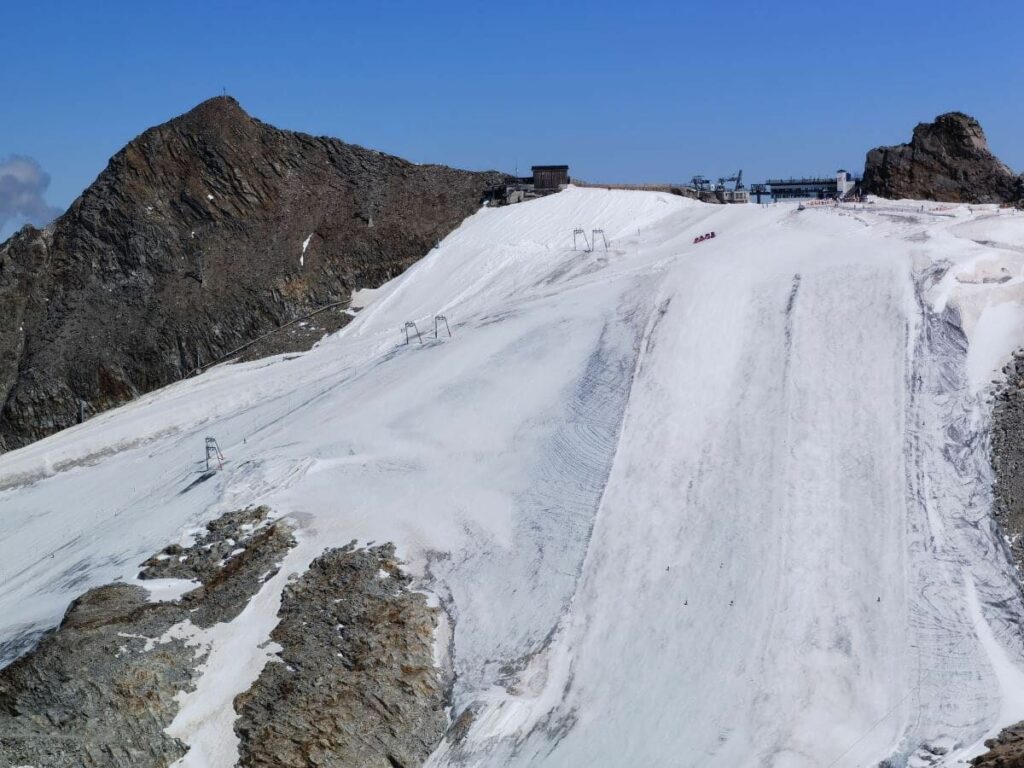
(723, 504)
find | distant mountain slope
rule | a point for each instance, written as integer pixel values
(201, 234)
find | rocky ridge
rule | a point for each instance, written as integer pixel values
(200, 235)
(1005, 751)
(100, 689)
(355, 684)
(947, 160)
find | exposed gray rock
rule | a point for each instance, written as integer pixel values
(1007, 454)
(356, 685)
(100, 689)
(190, 244)
(297, 336)
(238, 552)
(1005, 751)
(90, 694)
(947, 160)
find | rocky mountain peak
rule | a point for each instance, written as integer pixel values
(213, 111)
(956, 128)
(217, 120)
(202, 234)
(946, 160)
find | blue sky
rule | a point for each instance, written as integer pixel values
(640, 91)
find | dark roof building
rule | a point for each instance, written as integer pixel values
(546, 179)
(549, 178)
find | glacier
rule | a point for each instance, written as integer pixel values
(716, 504)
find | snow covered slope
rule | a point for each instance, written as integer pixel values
(722, 504)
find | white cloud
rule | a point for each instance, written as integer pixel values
(23, 183)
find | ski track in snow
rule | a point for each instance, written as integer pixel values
(724, 504)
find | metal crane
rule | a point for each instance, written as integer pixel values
(700, 183)
(738, 178)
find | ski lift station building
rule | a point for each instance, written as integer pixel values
(546, 179)
(549, 178)
(821, 188)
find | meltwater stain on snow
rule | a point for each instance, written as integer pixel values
(534, 578)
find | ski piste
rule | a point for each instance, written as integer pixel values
(723, 503)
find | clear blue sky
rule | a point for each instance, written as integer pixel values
(622, 91)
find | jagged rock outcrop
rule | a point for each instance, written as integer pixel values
(1004, 751)
(95, 693)
(200, 235)
(356, 684)
(100, 690)
(947, 160)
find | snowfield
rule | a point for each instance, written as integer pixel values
(724, 504)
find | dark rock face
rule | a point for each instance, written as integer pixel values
(948, 160)
(99, 691)
(190, 243)
(357, 685)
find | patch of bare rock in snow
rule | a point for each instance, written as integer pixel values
(106, 688)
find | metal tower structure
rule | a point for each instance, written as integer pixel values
(438, 319)
(213, 455)
(410, 324)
